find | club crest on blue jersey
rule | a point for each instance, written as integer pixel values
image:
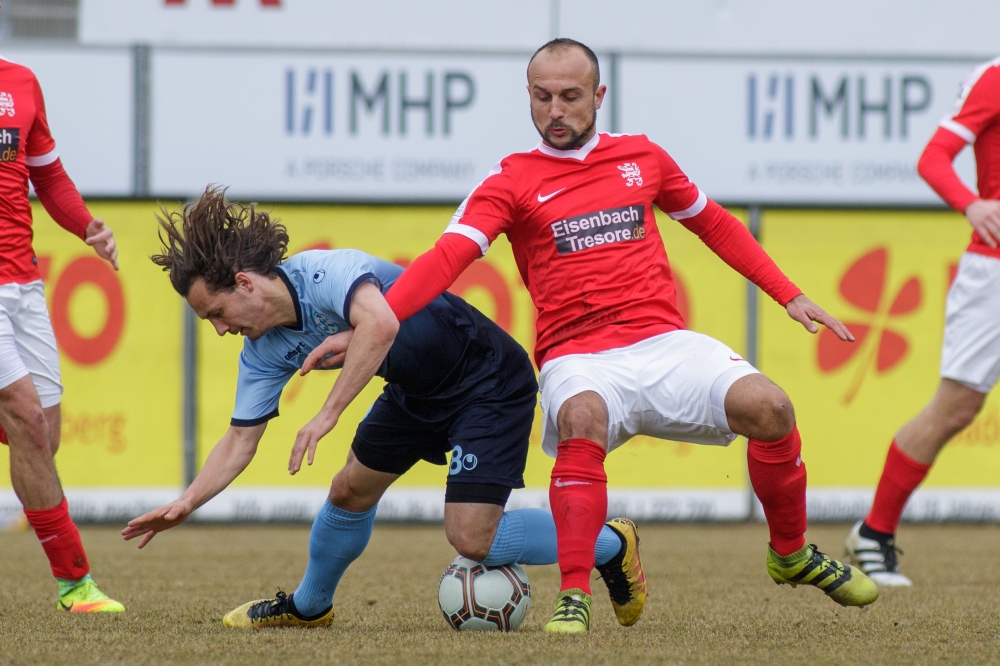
(319, 275)
(324, 324)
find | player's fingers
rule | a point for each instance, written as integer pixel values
(146, 539)
(312, 450)
(836, 326)
(804, 319)
(311, 361)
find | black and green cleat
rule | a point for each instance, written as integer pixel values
(572, 614)
(841, 582)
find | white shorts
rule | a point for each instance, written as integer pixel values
(671, 386)
(27, 343)
(971, 351)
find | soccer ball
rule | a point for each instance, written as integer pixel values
(477, 597)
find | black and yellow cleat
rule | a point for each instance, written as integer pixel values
(846, 585)
(572, 614)
(624, 576)
(277, 612)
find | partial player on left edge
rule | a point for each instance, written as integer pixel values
(456, 383)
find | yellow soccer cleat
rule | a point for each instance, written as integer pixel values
(843, 583)
(87, 598)
(277, 612)
(624, 576)
(572, 614)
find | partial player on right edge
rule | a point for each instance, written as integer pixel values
(970, 357)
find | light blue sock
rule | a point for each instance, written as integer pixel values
(528, 536)
(338, 538)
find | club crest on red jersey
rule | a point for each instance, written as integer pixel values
(631, 174)
(603, 227)
(6, 104)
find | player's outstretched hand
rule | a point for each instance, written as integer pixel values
(328, 354)
(102, 239)
(984, 216)
(157, 520)
(308, 438)
(804, 311)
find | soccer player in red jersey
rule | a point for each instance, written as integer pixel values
(615, 359)
(30, 387)
(970, 356)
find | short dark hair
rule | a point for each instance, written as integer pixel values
(214, 239)
(564, 43)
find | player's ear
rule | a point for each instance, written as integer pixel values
(599, 96)
(244, 282)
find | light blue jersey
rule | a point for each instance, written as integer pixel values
(322, 283)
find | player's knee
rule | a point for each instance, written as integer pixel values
(344, 496)
(962, 415)
(584, 415)
(473, 546)
(29, 421)
(777, 415)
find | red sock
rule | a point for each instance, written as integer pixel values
(3, 436)
(778, 476)
(578, 496)
(61, 541)
(900, 477)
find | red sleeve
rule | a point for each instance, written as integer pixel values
(719, 230)
(977, 107)
(729, 239)
(937, 168)
(431, 274)
(40, 147)
(484, 215)
(60, 197)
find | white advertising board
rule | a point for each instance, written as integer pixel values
(334, 127)
(88, 98)
(795, 131)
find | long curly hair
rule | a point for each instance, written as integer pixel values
(214, 239)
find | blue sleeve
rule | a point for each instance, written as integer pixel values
(258, 390)
(336, 278)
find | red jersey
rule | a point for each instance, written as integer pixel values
(976, 120)
(25, 143)
(586, 243)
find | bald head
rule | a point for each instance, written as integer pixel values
(564, 48)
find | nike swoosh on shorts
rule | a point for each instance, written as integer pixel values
(543, 199)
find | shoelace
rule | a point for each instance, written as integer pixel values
(617, 582)
(270, 608)
(889, 550)
(571, 609)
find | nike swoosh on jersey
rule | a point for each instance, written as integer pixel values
(543, 199)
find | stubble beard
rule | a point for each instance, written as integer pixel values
(574, 140)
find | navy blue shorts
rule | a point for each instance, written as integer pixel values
(485, 430)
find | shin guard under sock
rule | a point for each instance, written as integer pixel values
(900, 477)
(778, 477)
(61, 541)
(578, 495)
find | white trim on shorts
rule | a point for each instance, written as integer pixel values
(27, 342)
(970, 353)
(671, 386)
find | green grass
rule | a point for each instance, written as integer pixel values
(711, 602)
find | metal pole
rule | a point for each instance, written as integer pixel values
(190, 417)
(614, 92)
(141, 99)
(753, 340)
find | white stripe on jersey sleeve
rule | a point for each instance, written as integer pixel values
(473, 234)
(959, 130)
(42, 160)
(692, 210)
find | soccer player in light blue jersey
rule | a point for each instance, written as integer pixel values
(456, 383)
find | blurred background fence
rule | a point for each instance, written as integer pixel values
(364, 124)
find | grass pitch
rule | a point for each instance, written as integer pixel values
(711, 602)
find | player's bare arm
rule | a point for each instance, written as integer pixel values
(984, 216)
(226, 461)
(804, 311)
(100, 237)
(328, 354)
(375, 328)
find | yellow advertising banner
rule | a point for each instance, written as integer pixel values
(119, 337)
(886, 275)
(712, 298)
